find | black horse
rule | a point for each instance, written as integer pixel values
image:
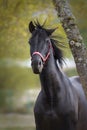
(61, 103)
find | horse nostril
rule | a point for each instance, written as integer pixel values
(39, 63)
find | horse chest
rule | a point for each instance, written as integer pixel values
(51, 121)
(49, 117)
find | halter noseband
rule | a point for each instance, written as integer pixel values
(42, 57)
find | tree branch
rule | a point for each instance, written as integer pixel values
(75, 39)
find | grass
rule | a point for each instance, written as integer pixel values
(16, 122)
(18, 128)
(17, 78)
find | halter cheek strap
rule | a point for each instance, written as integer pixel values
(42, 57)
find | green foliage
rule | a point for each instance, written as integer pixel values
(14, 18)
(79, 8)
(13, 32)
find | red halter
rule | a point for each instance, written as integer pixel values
(43, 58)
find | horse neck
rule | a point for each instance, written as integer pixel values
(51, 79)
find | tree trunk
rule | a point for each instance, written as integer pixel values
(77, 47)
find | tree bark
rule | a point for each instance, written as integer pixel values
(77, 47)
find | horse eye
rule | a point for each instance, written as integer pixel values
(47, 40)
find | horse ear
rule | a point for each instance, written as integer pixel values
(31, 27)
(50, 31)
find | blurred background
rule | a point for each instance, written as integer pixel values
(19, 87)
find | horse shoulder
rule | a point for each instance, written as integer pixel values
(76, 83)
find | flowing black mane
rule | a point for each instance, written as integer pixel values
(58, 54)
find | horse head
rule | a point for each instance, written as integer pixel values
(40, 45)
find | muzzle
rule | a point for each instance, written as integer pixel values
(37, 65)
